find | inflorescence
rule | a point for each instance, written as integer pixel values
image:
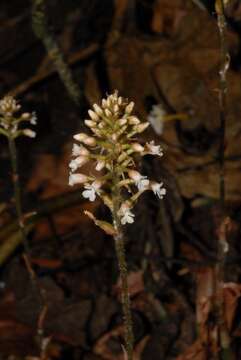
(113, 147)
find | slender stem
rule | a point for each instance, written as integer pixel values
(17, 193)
(20, 217)
(120, 252)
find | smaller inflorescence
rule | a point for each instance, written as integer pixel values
(11, 122)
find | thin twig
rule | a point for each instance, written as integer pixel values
(40, 26)
(222, 245)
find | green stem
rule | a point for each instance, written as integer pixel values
(20, 216)
(120, 252)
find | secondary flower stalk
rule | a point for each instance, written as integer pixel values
(113, 147)
(13, 125)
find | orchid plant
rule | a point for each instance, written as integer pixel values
(113, 147)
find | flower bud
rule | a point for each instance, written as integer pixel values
(114, 137)
(129, 107)
(122, 121)
(120, 100)
(116, 108)
(108, 101)
(104, 103)
(122, 157)
(100, 165)
(137, 147)
(77, 179)
(26, 116)
(108, 113)
(30, 133)
(98, 109)
(90, 141)
(80, 137)
(133, 120)
(93, 115)
(141, 127)
(90, 123)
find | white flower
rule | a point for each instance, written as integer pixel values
(127, 217)
(158, 189)
(154, 149)
(140, 181)
(156, 118)
(91, 190)
(78, 162)
(77, 179)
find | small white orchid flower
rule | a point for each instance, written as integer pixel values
(140, 181)
(158, 189)
(91, 190)
(127, 217)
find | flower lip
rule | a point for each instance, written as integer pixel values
(91, 190)
(153, 149)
